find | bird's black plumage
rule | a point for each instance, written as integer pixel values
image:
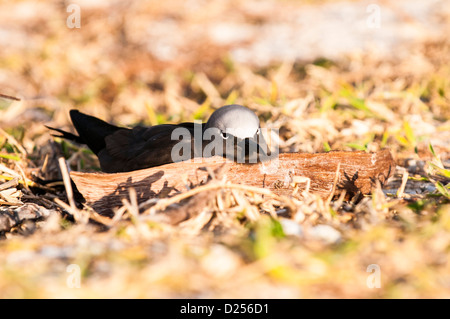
(123, 149)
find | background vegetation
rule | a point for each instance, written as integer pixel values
(153, 62)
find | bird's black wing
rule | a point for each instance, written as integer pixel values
(140, 147)
(123, 149)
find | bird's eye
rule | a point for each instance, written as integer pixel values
(225, 135)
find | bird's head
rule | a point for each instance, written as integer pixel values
(236, 120)
(238, 130)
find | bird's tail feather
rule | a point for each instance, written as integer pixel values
(66, 135)
(92, 130)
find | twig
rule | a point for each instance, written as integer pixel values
(12, 183)
(7, 189)
(24, 178)
(68, 208)
(132, 205)
(66, 180)
(9, 97)
(9, 171)
(8, 203)
(28, 182)
(44, 165)
(340, 200)
(72, 209)
(296, 180)
(401, 189)
(161, 205)
(93, 215)
(13, 141)
(118, 215)
(9, 198)
(333, 189)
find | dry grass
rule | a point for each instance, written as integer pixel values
(239, 242)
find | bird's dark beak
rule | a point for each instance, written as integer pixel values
(249, 151)
(252, 147)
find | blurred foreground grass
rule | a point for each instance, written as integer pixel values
(241, 245)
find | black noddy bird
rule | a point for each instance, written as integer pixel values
(232, 131)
